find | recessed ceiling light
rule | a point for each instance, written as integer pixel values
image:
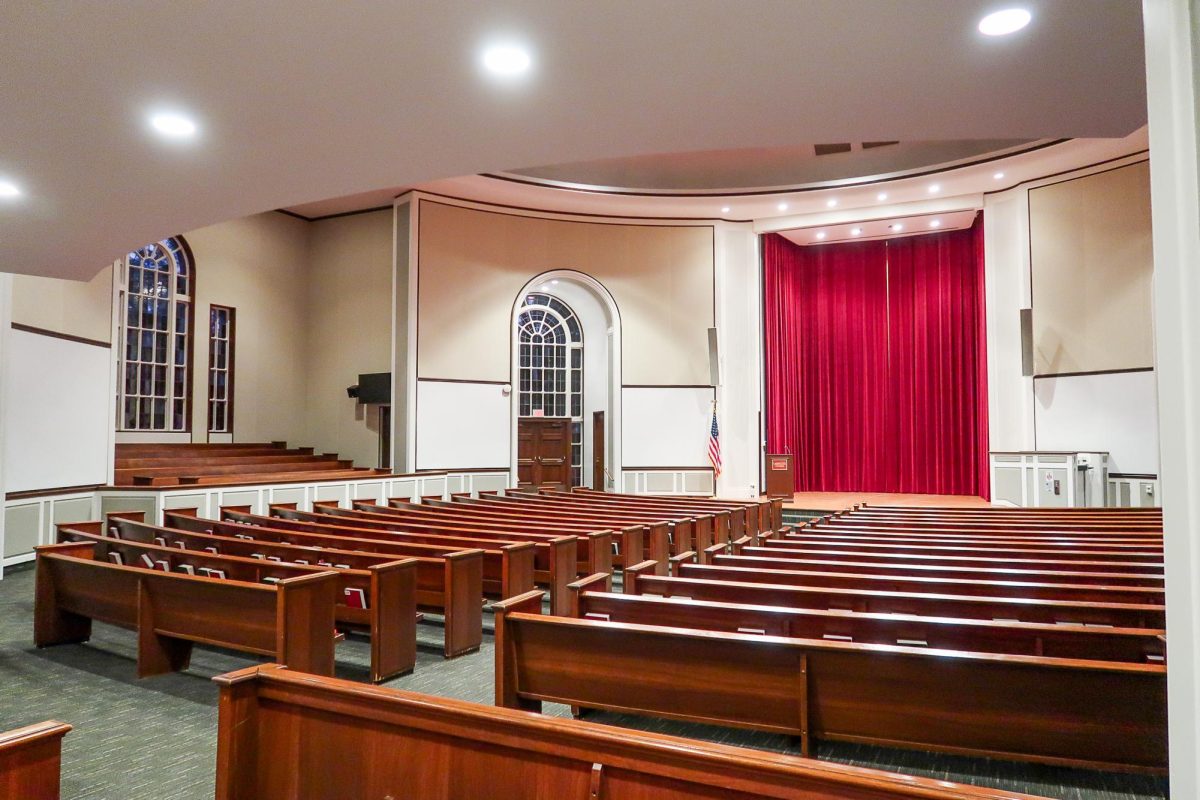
(1002, 23)
(554, 282)
(937, 223)
(173, 125)
(8, 190)
(831, 202)
(506, 60)
(881, 196)
(782, 206)
(998, 176)
(934, 188)
(724, 209)
(898, 227)
(855, 231)
(545, 287)
(820, 234)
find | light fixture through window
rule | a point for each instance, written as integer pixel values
(1004, 22)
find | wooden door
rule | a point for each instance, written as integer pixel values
(544, 452)
(598, 447)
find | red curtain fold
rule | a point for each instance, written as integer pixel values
(876, 363)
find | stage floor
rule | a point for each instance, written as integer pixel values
(836, 501)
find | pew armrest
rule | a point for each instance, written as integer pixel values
(597, 582)
(688, 556)
(632, 573)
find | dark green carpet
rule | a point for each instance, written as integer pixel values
(155, 739)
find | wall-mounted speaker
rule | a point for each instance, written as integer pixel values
(1027, 342)
(714, 362)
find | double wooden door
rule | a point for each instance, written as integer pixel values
(544, 452)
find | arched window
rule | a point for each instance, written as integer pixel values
(550, 363)
(156, 338)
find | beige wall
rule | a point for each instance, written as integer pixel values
(472, 264)
(1092, 262)
(73, 307)
(348, 329)
(259, 266)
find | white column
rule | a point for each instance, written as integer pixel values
(739, 337)
(5, 328)
(1171, 78)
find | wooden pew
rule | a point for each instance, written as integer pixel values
(678, 531)
(902, 583)
(552, 560)
(1080, 713)
(595, 544)
(31, 761)
(1040, 541)
(682, 526)
(758, 560)
(449, 581)
(508, 567)
(291, 621)
(388, 590)
(591, 600)
(286, 736)
(1013, 533)
(750, 519)
(768, 512)
(725, 523)
(1118, 615)
(883, 546)
(1002, 562)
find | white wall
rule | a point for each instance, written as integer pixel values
(1111, 411)
(348, 327)
(56, 428)
(462, 425)
(665, 426)
(1117, 412)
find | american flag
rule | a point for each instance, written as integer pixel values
(714, 446)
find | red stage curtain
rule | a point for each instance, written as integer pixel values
(876, 368)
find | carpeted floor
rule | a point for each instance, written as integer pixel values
(155, 739)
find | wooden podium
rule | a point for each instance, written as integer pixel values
(780, 476)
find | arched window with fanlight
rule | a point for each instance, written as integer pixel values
(550, 367)
(156, 329)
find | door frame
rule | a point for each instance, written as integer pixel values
(605, 298)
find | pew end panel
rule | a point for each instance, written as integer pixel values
(31, 761)
(464, 607)
(53, 624)
(517, 568)
(683, 558)
(600, 582)
(393, 618)
(564, 562)
(507, 696)
(634, 573)
(306, 619)
(599, 556)
(633, 545)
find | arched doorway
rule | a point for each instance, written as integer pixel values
(565, 383)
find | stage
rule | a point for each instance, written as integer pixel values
(836, 501)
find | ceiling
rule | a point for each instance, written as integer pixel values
(299, 101)
(764, 169)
